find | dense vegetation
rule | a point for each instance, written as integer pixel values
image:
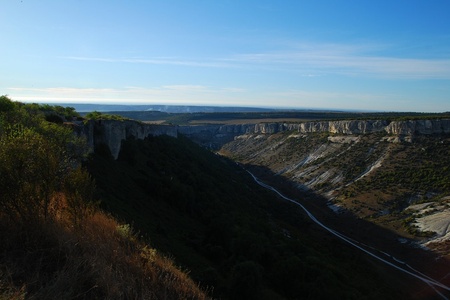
(54, 241)
(95, 115)
(233, 236)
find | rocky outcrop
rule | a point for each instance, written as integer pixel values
(214, 136)
(111, 132)
(411, 128)
(344, 127)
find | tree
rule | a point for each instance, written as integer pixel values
(6, 105)
(35, 158)
(29, 168)
(79, 193)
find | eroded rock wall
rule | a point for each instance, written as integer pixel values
(214, 136)
(111, 132)
(419, 127)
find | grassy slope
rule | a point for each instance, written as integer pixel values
(233, 236)
(98, 260)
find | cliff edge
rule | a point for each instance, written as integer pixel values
(112, 132)
(215, 136)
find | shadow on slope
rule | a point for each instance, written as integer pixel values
(234, 236)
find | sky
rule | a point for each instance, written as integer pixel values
(348, 55)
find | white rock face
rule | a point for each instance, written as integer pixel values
(419, 127)
(112, 133)
(344, 127)
(336, 127)
(438, 222)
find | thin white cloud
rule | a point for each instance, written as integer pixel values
(233, 90)
(364, 59)
(156, 61)
(312, 59)
(329, 97)
(327, 62)
(185, 87)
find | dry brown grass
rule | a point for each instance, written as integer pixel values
(95, 259)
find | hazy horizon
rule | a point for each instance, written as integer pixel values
(84, 107)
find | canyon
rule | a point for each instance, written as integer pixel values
(392, 174)
(376, 169)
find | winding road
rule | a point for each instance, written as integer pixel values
(399, 265)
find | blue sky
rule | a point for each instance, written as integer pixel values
(364, 55)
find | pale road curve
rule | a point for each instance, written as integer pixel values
(429, 281)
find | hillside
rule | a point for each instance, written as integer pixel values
(55, 243)
(375, 176)
(233, 236)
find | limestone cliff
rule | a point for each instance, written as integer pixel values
(214, 136)
(112, 132)
(419, 127)
(343, 127)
